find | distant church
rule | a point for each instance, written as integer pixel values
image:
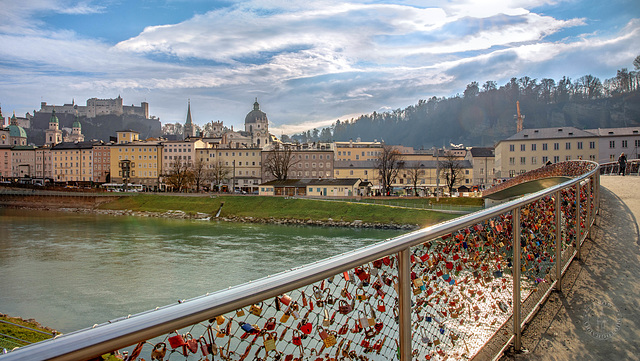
(255, 134)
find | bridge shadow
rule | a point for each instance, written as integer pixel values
(595, 316)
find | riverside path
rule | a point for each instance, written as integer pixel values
(596, 316)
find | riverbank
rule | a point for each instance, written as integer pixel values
(16, 331)
(249, 209)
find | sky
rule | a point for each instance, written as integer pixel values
(308, 63)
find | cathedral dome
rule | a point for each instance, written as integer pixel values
(54, 118)
(17, 131)
(77, 124)
(256, 115)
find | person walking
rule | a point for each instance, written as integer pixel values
(622, 163)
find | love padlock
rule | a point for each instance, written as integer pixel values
(328, 339)
(256, 310)
(269, 340)
(296, 339)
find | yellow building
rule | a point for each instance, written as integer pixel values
(361, 151)
(244, 166)
(143, 157)
(533, 148)
(72, 162)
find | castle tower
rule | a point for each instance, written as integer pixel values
(189, 130)
(53, 135)
(257, 124)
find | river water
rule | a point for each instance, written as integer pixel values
(70, 271)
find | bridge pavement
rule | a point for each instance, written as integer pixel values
(597, 314)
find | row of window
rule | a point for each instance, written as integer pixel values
(556, 146)
(545, 159)
(624, 143)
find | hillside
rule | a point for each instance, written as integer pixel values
(101, 127)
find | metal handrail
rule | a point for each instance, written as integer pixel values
(104, 338)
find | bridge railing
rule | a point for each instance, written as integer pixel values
(632, 168)
(453, 289)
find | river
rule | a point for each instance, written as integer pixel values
(70, 271)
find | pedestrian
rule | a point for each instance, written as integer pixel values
(622, 162)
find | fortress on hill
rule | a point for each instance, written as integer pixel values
(96, 107)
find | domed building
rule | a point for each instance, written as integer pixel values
(257, 124)
(53, 135)
(76, 132)
(17, 134)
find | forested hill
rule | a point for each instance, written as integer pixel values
(485, 114)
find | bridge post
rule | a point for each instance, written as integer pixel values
(517, 332)
(578, 230)
(558, 214)
(404, 304)
(588, 220)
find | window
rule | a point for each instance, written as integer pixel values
(534, 160)
(512, 147)
(556, 159)
(533, 147)
(522, 147)
(523, 160)
(579, 145)
(624, 144)
(556, 146)
(512, 173)
(512, 161)
(612, 144)
(567, 158)
(567, 146)
(592, 145)
(544, 146)
(592, 157)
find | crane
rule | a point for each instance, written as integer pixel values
(519, 117)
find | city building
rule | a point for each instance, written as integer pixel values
(5, 160)
(73, 162)
(17, 134)
(101, 162)
(614, 141)
(256, 125)
(359, 150)
(44, 164)
(532, 148)
(137, 162)
(23, 161)
(306, 160)
(179, 150)
(482, 161)
(242, 167)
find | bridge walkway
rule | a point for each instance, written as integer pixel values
(596, 316)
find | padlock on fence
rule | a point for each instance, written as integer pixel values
(328, 339)
(255, 309)
(159, 351)
(269, 341)
(344, 307)
(176, 341)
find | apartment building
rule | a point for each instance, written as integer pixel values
(306, 162)
(482, 162)
(361, 151)
(23, 161)
(182, 150)
(101, 162)
(43, 163)
(142, 159)
(244, 166)
(532, 148)
(613, 141)
(72, 162)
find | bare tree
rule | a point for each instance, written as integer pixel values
(388, 164)
(451, 166)
(218, 174)
(179, 176)
(199, 173)
(279, 161)
(414, 171)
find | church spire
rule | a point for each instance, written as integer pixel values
(189, 121)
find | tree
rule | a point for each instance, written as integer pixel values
(414, 171)
(388, 164)
(179, 176)
(279, 161)
(199, 173)
(472, 90)
(452, 168)
(218, 174)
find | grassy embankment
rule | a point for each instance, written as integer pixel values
(282, 208)
(20, 333)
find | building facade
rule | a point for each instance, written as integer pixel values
(482, 161)
(73, 162)
(144, 159)
(614, 141)
(304, 163)
(23, 161)
(101, 162)
(533, 148)
(96, 107)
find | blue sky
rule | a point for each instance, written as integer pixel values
(308, 62)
